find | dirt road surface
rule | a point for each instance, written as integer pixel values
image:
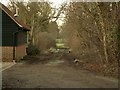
(46, 72)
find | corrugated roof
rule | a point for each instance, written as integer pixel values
(11, 15)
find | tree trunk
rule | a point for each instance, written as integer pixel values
(104, 36)
(32, 31)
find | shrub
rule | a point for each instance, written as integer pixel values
(32, 50)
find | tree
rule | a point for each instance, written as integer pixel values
(35, 14)
(95, 27)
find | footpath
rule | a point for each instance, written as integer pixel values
(6, 65)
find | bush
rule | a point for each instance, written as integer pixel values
(32, 50)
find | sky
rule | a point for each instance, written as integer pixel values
(55, 4)
(5, 2)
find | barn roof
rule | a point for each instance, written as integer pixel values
(11, 15)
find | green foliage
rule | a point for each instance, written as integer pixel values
(59, 45)
(59, 40)
(32, 50)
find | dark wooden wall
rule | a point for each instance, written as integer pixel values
(21, 38)
(0, 27)
(9, 29)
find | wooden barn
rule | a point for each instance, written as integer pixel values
(14, 36)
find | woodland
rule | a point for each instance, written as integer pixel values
(90, 30)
